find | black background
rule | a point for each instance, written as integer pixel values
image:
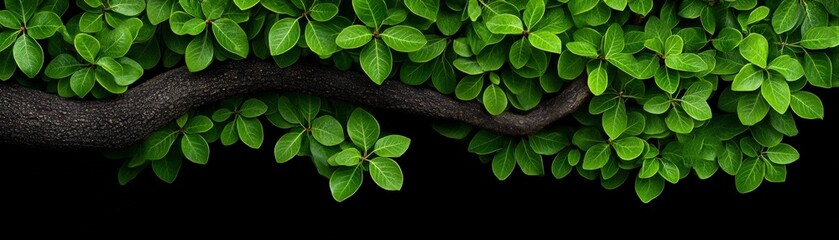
(442, 181)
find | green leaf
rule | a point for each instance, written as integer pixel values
(629, 148)
(345, 181)
(649, 168)
(615, 120)
(679, 122)
(688, 62)
(195, 148)
(696, 107)
(749, 78)
(751, 109)
(371, 12)
(159, 11)
(453, 130)
(231, 37)
(403, 38)
(28, 55)
(229, 134)
(708, 20)
(782, 154)
(323, 11)
(529, 162)
(116, 43)
(167, 168)
(213, 9)
(288, 146)
(110, 65)
(583, 49)
(327, 130)
(43, 25)
(775, 172)
(569, 65)
(669, 171)
(182, 23)
(597, 156)
(505, 24)
(469, 88)
(776, 92)
(7, 38)
(783, 123)
(131, 72)
(245, 4)
(427, 9)
(785, 16)
(283, 36)
(642, 7)
(545, 41)
(728, 39)
(520, 53)
(392, 146)
(62, 66)
(9, 20)
(250, 131)
(580, 6)
(363, 129)
(806, 105)
(354, 36)
(749, 176)
(755, 49)
(598, 79)
(547, 142)
(108, 82)
(658, 104)
(648, 189)
(486, 142)
(818, 70)
(759, 14)
(308, 105)
(619, 5)
(787, 66)
(127, 7)
(674, 45)
(82, 81)
(23, 9)
(157, 144)
(730, 158)
(667, 80)
(495, 100)
(127, 173)
(198, 124)
(376, 60)
(560, 167)
(613, 40)
(199, 53)
(474, 10)
(386, 173)
(347, 157)
(504, 162)
(252, 108)
(820, 38)
(433, 49)
(91, 22)
(468, 66)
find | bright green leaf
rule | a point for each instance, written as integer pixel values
(354, 36)
(807, 105)
(363, 129)
(755, 48)
(403, 38)
(386, 173)
(231, 37)
(283, 36)
(195, 148)
(345, 181)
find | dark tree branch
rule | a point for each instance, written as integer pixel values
(33, 118)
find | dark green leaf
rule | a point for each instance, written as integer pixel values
(62, 66)
(818, 70)
(427, 9)
(679, 122)
(485, 142)
(749, 78)
(82, 81)
(327, 130)
(786, 16)
(167, 168)
(504, 162)
(529, 161)
(323, 11)
(43, 25)
(198, 124)
(157, 144)
(199, 53)
(776, 92)
(160, 10)
(28, 55)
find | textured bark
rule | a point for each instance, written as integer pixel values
(33, 118)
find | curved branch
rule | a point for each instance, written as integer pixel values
(38, 119)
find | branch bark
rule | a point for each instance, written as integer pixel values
(33, 118)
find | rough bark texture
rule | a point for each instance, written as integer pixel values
(38, 119)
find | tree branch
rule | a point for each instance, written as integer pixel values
(33, 118)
